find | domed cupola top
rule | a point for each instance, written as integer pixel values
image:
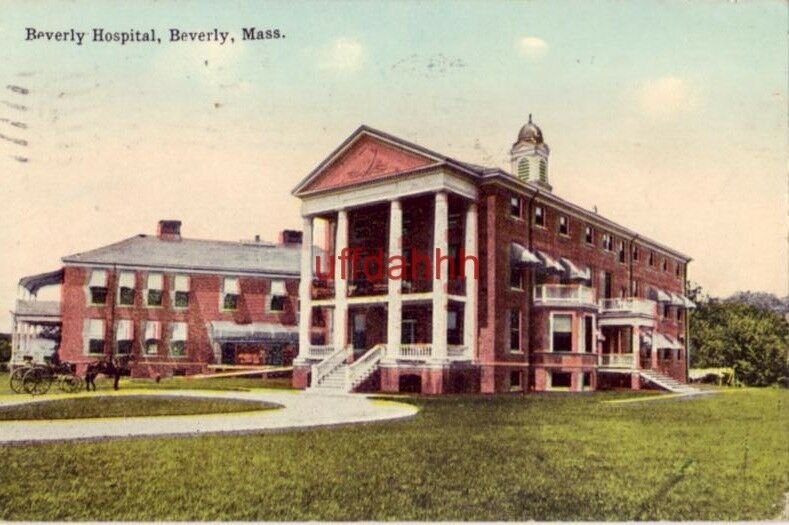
(530, 132)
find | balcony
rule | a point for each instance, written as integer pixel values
(322, 289)
(564, 359)
(624, 361)
(364, 288)
(574, 295)
(627, 307)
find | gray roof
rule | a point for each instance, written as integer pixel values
(194, 255)
(37, 308)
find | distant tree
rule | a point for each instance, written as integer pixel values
(747, 331)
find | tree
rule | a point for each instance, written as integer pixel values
(747, 332)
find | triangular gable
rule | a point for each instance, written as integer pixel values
(363, 158)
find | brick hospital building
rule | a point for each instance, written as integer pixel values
(565, 299)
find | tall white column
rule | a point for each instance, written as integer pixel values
(470, 317)
(395, 300)
(636, 347)
(440, 278)
(305, 289)
(340, 324)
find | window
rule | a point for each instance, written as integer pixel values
(515, 330)
(561, 379)
(587, 381)
(589, 234)
(230, 293)
(126, 289)
(516, 380)
(666, 310)
(543, 171)
(178, 334)
(564, 225)
(677, 269)
(278, 296)
(181, 291)
(98, 286)
(588, 334)
(665, 264)
(153, 296)
(124, 336)
(607, 242)
(94, 329)
(454, 333)
(635, 288)
(539, 216)
(523, 169)
(516, 276)
(621, 251)
(635, 252)
(516, 207)
(561, 333)
(153, 336)
(652, 258)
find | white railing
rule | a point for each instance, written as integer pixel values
(563, 294)
(361, 369)
(628, 305)
(327, 366)
(457, 352)
(617, 360)
(415, 351)
(320, 351)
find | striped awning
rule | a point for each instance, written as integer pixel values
(690, 305)
(228, 331)
(520, 255)
(677, 300)
(574, 272)
(664, 341)
(659, 296)
(549, 262)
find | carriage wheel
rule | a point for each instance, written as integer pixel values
(70, 383)
(16, 379)
(37, 381)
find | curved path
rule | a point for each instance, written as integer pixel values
(299, 411)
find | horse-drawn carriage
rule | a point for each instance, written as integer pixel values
(37, 379)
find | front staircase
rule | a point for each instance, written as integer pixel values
(335, 375)
(667, 383)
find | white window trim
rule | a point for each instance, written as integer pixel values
(118, 289)
(567, 223)
(549, 382)
(174, 289)
(534, 218)
(571, 315)
(87, 337)
(223, 293)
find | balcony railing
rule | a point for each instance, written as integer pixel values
(458, 352)
(320, 351)
(363, 287)
(617, 361)
(415, 351)
(563, 295)
(628, 306)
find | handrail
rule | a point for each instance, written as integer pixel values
(361, 369)
(325, 367)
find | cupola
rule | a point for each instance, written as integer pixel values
(529, 155)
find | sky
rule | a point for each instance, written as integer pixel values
(669, 116)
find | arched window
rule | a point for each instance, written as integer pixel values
(543, 171)
(523, 169)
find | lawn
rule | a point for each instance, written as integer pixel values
(545, 457)
(126, 406)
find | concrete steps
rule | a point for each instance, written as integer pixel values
(667, 383)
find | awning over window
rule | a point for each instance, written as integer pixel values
(155, 281)
(179, 331)
(690, 305)
(549, 262)
(181, 283)
(659, 296)
(126, 280)
(32, 283)
(153, 330)
(228, 331)
(231, 285)
(98, 279)
(278, 288)
(95, 328)
(124, 330)
(664, 341)
(676, 300)
(574, 272)
(520, 255)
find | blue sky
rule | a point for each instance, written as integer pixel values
(670, 116)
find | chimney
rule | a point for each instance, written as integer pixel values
(169, 230)
(290, 238)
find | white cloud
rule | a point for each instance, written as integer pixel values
(342, 54)
(666, 97)
(532, 47)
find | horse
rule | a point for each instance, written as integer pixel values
(112, 367)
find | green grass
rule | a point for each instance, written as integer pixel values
(126, 406)
(545, 457)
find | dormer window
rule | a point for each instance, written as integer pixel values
(153, 292)
(98, 287)
(589, 235)
(564, 225)
(230, 293)
(516, 207)
(539, 216)
(126, 289)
